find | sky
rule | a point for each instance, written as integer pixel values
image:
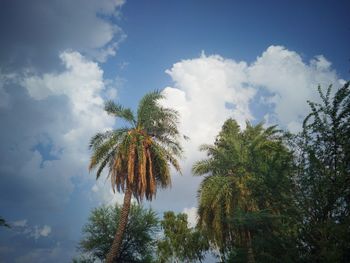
(61, 59)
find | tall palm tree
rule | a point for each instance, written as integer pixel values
(138, 155)
(231, 192)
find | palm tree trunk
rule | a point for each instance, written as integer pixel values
(250, 254)
(123, 220)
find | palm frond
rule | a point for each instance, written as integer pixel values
(203, 167)
(104, 163)
(160, 166)
(148, 106)
(168, 155)
(118, 110)
(171, 144)
(103, 144)
(98, 138)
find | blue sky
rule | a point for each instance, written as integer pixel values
(160, 33)
(251, 60)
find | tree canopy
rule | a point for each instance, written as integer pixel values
(322, 154)
(138, 244)
(180, 243)
(246, 191)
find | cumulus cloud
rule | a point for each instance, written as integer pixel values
(67, 109)
(81, 83)
(290, 82)
(209, 89)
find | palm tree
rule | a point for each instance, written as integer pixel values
(228, 196)
(138, 155)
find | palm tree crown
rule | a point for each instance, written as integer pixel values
(238, 169)
(138, 155)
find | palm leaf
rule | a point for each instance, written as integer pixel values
(118, 110)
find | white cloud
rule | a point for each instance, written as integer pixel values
(290, 82)
(44, 231)
(204, 87)
(192, 216)
(36, 232)
(20, 223)
(209, 89)
(82, 84)
(103, 192)
(63, 111)
(22, 227)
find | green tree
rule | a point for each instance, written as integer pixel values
(180, 243)
(138, 244)
(246, 193)
(323, 178)
(139, 155)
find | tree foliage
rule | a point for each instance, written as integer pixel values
(180, 243)
(138, 243)
(246, 192)
(323, 178)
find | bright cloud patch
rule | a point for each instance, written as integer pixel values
(290, 82)
(20, 223)
(44, 231)
(22, 227)
(192, 216)
(209, 89)
(82, 83)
